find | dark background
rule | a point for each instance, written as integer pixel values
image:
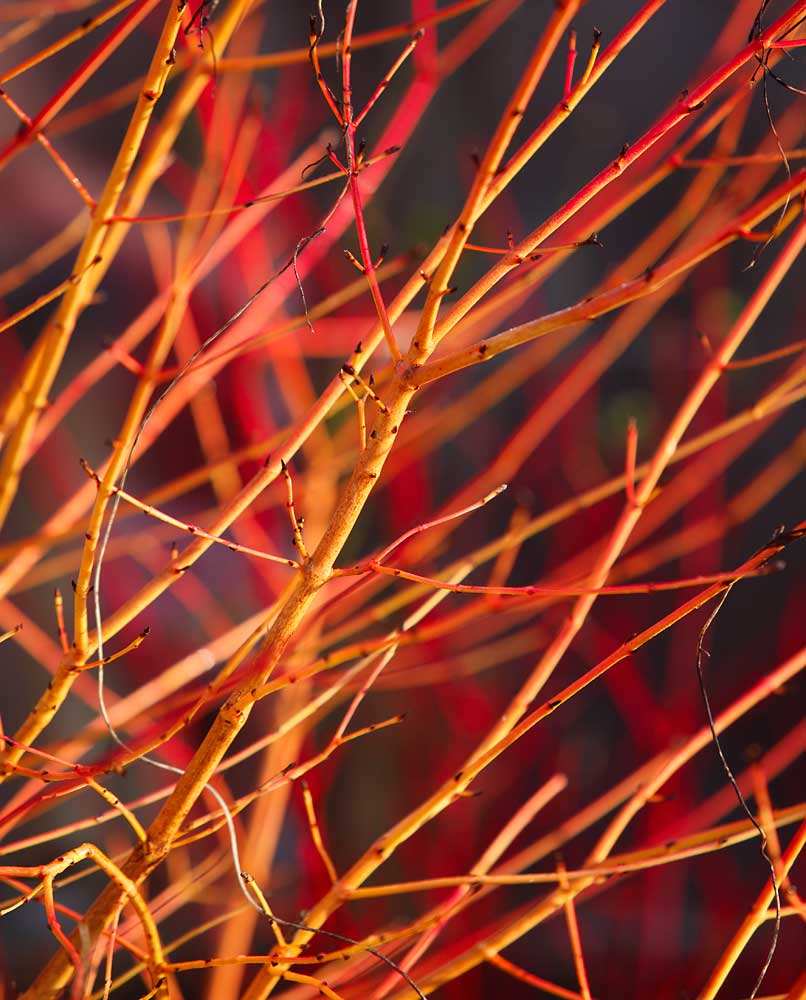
(655, 935)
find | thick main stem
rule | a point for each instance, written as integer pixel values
(235, 713)
(47, 359)
(385, 845)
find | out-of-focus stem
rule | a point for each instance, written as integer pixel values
(39, 376)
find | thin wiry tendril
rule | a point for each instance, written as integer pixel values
(767, 72)
(96, 603)
(701, 654)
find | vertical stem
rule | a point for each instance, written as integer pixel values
(485, 175)
(350, 125)
(39, 376)
(754, 919)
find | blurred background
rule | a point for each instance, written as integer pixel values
(550, 419)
